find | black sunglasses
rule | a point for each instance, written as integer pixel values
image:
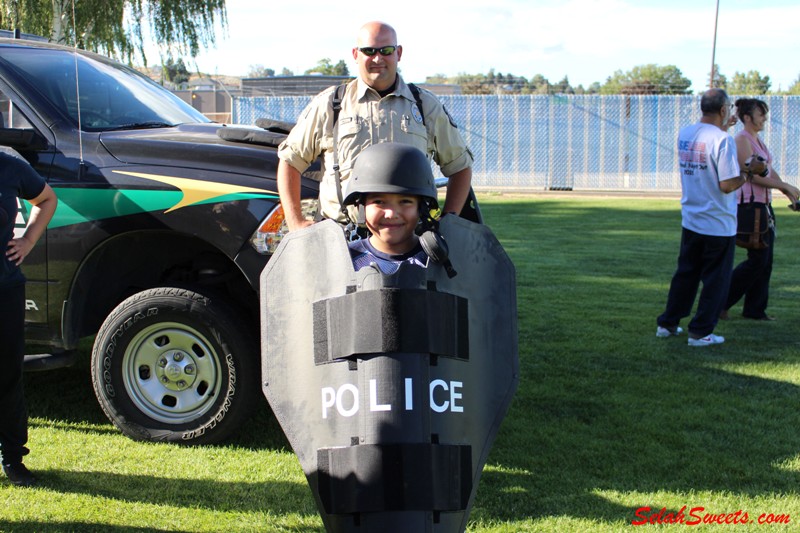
(371, 51)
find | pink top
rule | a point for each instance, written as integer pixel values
(760, 193)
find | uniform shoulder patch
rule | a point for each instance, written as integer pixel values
(416, 113)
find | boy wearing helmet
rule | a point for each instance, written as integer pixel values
(393, 189)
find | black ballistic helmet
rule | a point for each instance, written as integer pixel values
(392, 168)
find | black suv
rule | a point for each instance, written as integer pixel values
(162, 229)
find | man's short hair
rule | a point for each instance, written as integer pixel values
(712, 101)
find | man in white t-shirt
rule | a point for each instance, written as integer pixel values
(709, 174)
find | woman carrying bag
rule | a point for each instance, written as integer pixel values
(751, 277)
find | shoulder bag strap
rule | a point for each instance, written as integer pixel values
(415, 91)
(336, 106)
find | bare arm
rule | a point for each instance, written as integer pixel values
(732, 184)
(743, 152)
(289, 191)
(457, 191)
(44, 206)
(773, 180)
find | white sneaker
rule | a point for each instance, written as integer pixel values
(708, 340)
(664, 332)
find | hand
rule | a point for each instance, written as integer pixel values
(18, 250)
(791, 192)
(299, 224)
(757, 165)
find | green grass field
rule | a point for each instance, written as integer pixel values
(607, 418)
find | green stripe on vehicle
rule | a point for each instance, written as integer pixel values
(78, 205)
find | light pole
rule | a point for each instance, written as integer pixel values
(714, 49)
(230, 96)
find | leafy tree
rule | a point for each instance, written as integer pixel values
(436, 78)
(720, 80)
(506, 83)
(498, 83)
(475, 83)
(341, 69)
(593, 88)
(750, 83)
(114, 27)
(260, 71)
(795, 87)
(517, 84)
(540, 85)
(286, 72)
(176, 71)
(647, 79)
(325, 67)
(563, 87)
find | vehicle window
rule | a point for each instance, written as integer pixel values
(111, 96)
(11, 116)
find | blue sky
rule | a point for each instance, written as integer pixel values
(586, 40)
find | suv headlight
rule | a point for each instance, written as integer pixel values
(272, 229)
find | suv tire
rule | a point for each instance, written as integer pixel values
(170, 364)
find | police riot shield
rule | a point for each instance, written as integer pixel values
(390, 388)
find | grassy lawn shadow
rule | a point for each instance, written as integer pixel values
(606, 407)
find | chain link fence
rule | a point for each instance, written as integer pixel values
(588, 142)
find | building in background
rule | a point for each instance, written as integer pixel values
(210, 96)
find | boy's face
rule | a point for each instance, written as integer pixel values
(391, 218)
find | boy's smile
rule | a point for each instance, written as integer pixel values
(392, 218)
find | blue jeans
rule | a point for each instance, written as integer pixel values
(706, 259)
(13, 412)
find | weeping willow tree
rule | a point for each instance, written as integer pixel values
(114, 27)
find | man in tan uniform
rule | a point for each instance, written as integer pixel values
(378, 106)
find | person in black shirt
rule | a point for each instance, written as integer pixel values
(17, 180)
